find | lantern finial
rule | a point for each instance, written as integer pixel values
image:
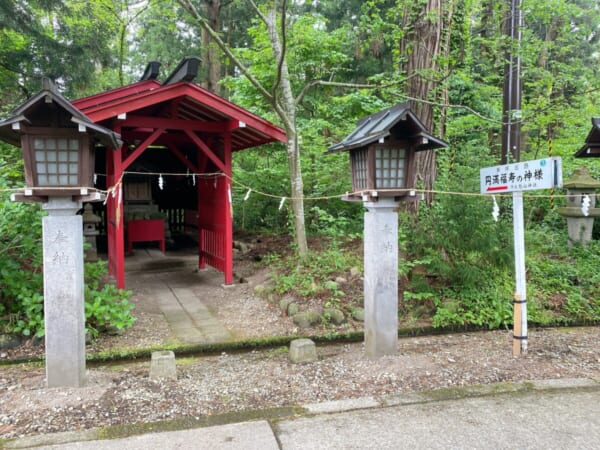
(48, 85)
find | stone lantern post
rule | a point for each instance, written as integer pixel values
(382, 150)
(58, 143)
(580, 210)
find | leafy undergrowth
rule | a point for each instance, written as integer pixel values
(330, 276)
(21, 279)
(563, 284)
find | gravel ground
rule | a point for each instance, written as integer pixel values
(124, 393)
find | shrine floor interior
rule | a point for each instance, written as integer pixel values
(180, 253)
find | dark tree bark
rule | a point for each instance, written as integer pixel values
(210, 50)
(426, 41)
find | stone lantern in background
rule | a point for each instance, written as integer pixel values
(90, 231)
(382, 153)
(580, 210)
(58, 143)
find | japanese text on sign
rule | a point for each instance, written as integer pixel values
(522, 176)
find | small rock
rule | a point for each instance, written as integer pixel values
(292, 309)
(284, 303)
(8, 341)
(114, 331)
(334, 315)
(314, 316)
(307, 319)
(241, 246)
(358, 314)
(302, 320)
(355, 272)
(303, 351)
(340, 280)
(162, 365)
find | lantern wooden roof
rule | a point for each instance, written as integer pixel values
(48, 108)
(591, 148)
(398, 121)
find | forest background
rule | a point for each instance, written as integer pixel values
(315, 68)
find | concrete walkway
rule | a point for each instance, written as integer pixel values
(165, 283)
(550, 414)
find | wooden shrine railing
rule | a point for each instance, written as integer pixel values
(212, 248)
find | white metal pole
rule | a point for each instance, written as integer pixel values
(520, 306)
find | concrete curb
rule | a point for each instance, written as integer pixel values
(275, 415)
(335, 406)
(453, 393)
(137, 429)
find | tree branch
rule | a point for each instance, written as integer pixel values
(270, 24)
(191, 9)
(314, 83)
(279, 54)
(283, 43)
(258, 11)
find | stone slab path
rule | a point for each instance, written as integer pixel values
(190, 321)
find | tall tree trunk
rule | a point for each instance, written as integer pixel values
(445, 51)
(424, 43)
(551, 34)
(210, 51)
(293, 151)
(281, 99)
(488, 27)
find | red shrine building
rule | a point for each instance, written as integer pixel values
(172, 171)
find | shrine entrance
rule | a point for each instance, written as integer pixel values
(172, 172)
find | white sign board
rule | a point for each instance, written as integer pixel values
(515, 178)
(522, 176)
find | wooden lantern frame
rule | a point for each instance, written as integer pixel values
(85, 160)
(371, 181)
(393, 128)
(48, 115)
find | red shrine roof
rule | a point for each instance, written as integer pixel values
(176, 106)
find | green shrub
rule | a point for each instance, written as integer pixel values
(21, 278)
(313, 275)
(106, 307)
